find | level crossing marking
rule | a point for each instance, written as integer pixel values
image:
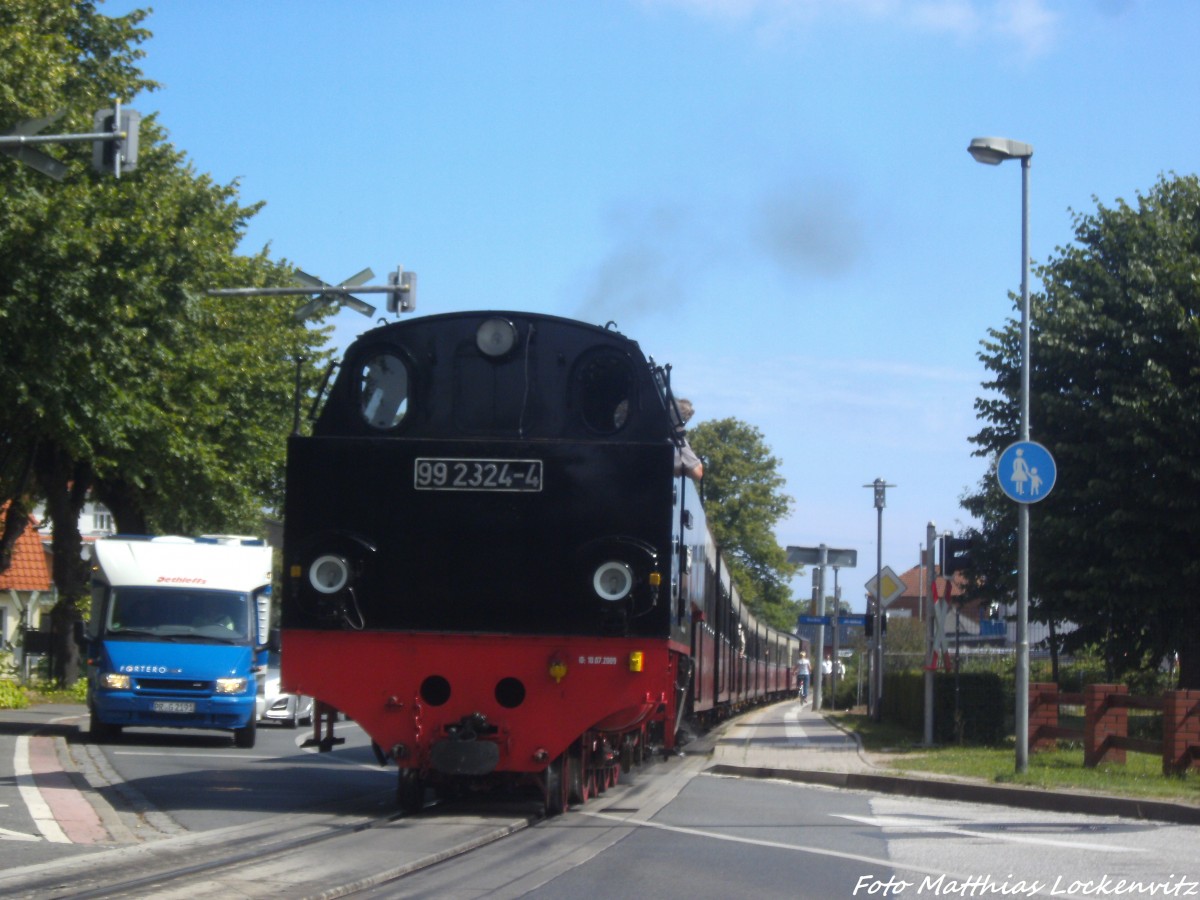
(885, 863)
(913, 824)
(758, 842)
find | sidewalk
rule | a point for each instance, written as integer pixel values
(787, 736)
(790, 741)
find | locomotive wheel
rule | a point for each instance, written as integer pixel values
(577, 791)
(556, 782)
(612, 774)
(410, 791)
(627, 755)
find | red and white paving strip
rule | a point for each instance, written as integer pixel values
(60, 811)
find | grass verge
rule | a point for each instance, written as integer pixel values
(1061, 769)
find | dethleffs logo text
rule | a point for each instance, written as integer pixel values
(180, 579)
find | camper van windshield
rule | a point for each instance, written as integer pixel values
(179, 612)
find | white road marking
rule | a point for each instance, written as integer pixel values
(952, 828)
(792, 727)
(34, 802)
(757, 842)
(885, 863)
(6, 835)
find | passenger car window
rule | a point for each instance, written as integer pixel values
(383, 390)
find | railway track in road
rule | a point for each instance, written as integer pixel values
(308, 854)
(325, 853)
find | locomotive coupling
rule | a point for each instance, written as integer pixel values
(466, 749)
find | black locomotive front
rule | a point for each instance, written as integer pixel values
(485, 473)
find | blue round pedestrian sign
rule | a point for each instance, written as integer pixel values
(1026, 471)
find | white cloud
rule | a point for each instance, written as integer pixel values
(955, 17)
(1030, 24)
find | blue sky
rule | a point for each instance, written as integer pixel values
(774, 196)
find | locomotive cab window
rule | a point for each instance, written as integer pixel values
(383, 390)
(604, 386)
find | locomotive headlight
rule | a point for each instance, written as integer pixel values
(328, 574)
(613, 581)
(495, 337)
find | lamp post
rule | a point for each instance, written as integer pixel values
(993, 151)
(875, 688)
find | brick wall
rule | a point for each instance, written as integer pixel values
(1043, 712)
(1181, 731)
(1103, 721)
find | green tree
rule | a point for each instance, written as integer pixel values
(120, 376)
(1115, 396)
(744, 502)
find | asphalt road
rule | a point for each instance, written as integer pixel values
(686, 827)
(61, 795)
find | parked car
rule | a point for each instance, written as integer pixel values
(278, 706)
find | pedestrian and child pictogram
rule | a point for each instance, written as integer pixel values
(1026, 471)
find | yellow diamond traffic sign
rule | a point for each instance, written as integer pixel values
(893, 587)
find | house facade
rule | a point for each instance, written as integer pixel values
(26, 592)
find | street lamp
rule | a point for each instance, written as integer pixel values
(875, 689)
(993, 151)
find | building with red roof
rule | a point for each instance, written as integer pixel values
(26, 587)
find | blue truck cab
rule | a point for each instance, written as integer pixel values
(178, 634)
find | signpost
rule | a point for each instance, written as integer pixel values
(1026, 472)
(821, 557)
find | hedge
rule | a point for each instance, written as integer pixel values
(980, 705)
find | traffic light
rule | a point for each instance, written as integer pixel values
(956, 554)
(403, 297)
(105, 151)
(869, 623)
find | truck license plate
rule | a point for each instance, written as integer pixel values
(173, 706)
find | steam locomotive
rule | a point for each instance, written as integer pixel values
(493, 565)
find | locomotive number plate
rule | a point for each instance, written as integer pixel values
(437, 474)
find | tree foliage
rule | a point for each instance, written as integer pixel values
(1115, 396)
(744, 502)
(120, 376)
